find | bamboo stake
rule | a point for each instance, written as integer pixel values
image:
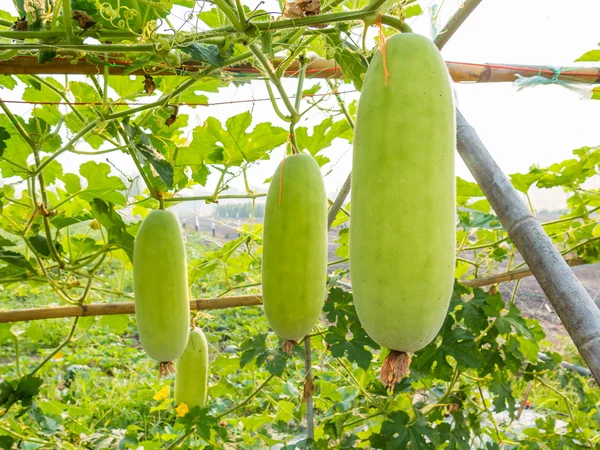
(572, 303)
(511, 275)
(460, 72)
(455, 22)
(106, 309)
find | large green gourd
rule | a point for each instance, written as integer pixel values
(402, 234)
(192, 371)
(160, 286)
(294, 267)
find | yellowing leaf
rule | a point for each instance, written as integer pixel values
(162, 394)
(58, 355)
(182, 410)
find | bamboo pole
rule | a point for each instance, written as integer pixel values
(460, 72)
(572, 303)
(106, 309)
(512, 275)
(454, 23)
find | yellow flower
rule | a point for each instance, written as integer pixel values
(182, 410)
(162, 394)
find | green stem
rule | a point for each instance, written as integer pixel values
(274, 103)
(491, 244)
(68, 146)
(45, 219)
(70, 197)
(581, 244)
(266, 65)
(68, 20)
(341, 103)
(99, 152)
(514, 294)
(337, 261)
(484, 332)
(57, 349)
(210, 197)
(362, 419)
(18, 166)
(55, 10)
(563, 396)
(236, 288)
(240, 10)
(17, 124)
(396, 23)
(17, 357)
(468, 261)
(247, 400)
(230, 13)
(90, 126)
(301, 76)
(360, 387)
(88, 48)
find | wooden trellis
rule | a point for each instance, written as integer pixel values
(461, 72)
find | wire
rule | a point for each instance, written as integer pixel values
(231, 102)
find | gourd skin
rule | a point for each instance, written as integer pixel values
(294, 267)
(160, 285)
(402, 233)
(192, 371)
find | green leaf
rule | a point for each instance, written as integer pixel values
(399, 432)
(455, 342)
(233, 145)
(201, 420)
(6, 242)
(592, 55)
(40, 244)
(84, 5)
(467, 188)
(37, 92)
(6, 442)
(412, 10)
(26, 389)
(8, 82)
(346, 336)
(322, 135)
(348, 57)
(163, 168)
(214, 18)
(127, 86)
(100, 184)
(266, 44)
(205, 53)
(61, 221)
(312, 90)
(116, 228)
(522, 182)
(256, 349)
(117, 323)
(503, 397)
(4, 136)
(16, 259)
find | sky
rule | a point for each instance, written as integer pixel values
(540, 125)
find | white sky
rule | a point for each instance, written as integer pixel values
(540, 125)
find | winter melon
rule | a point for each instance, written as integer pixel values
(294, 267)
(402, 234)
(192, 371)
(160, 286)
